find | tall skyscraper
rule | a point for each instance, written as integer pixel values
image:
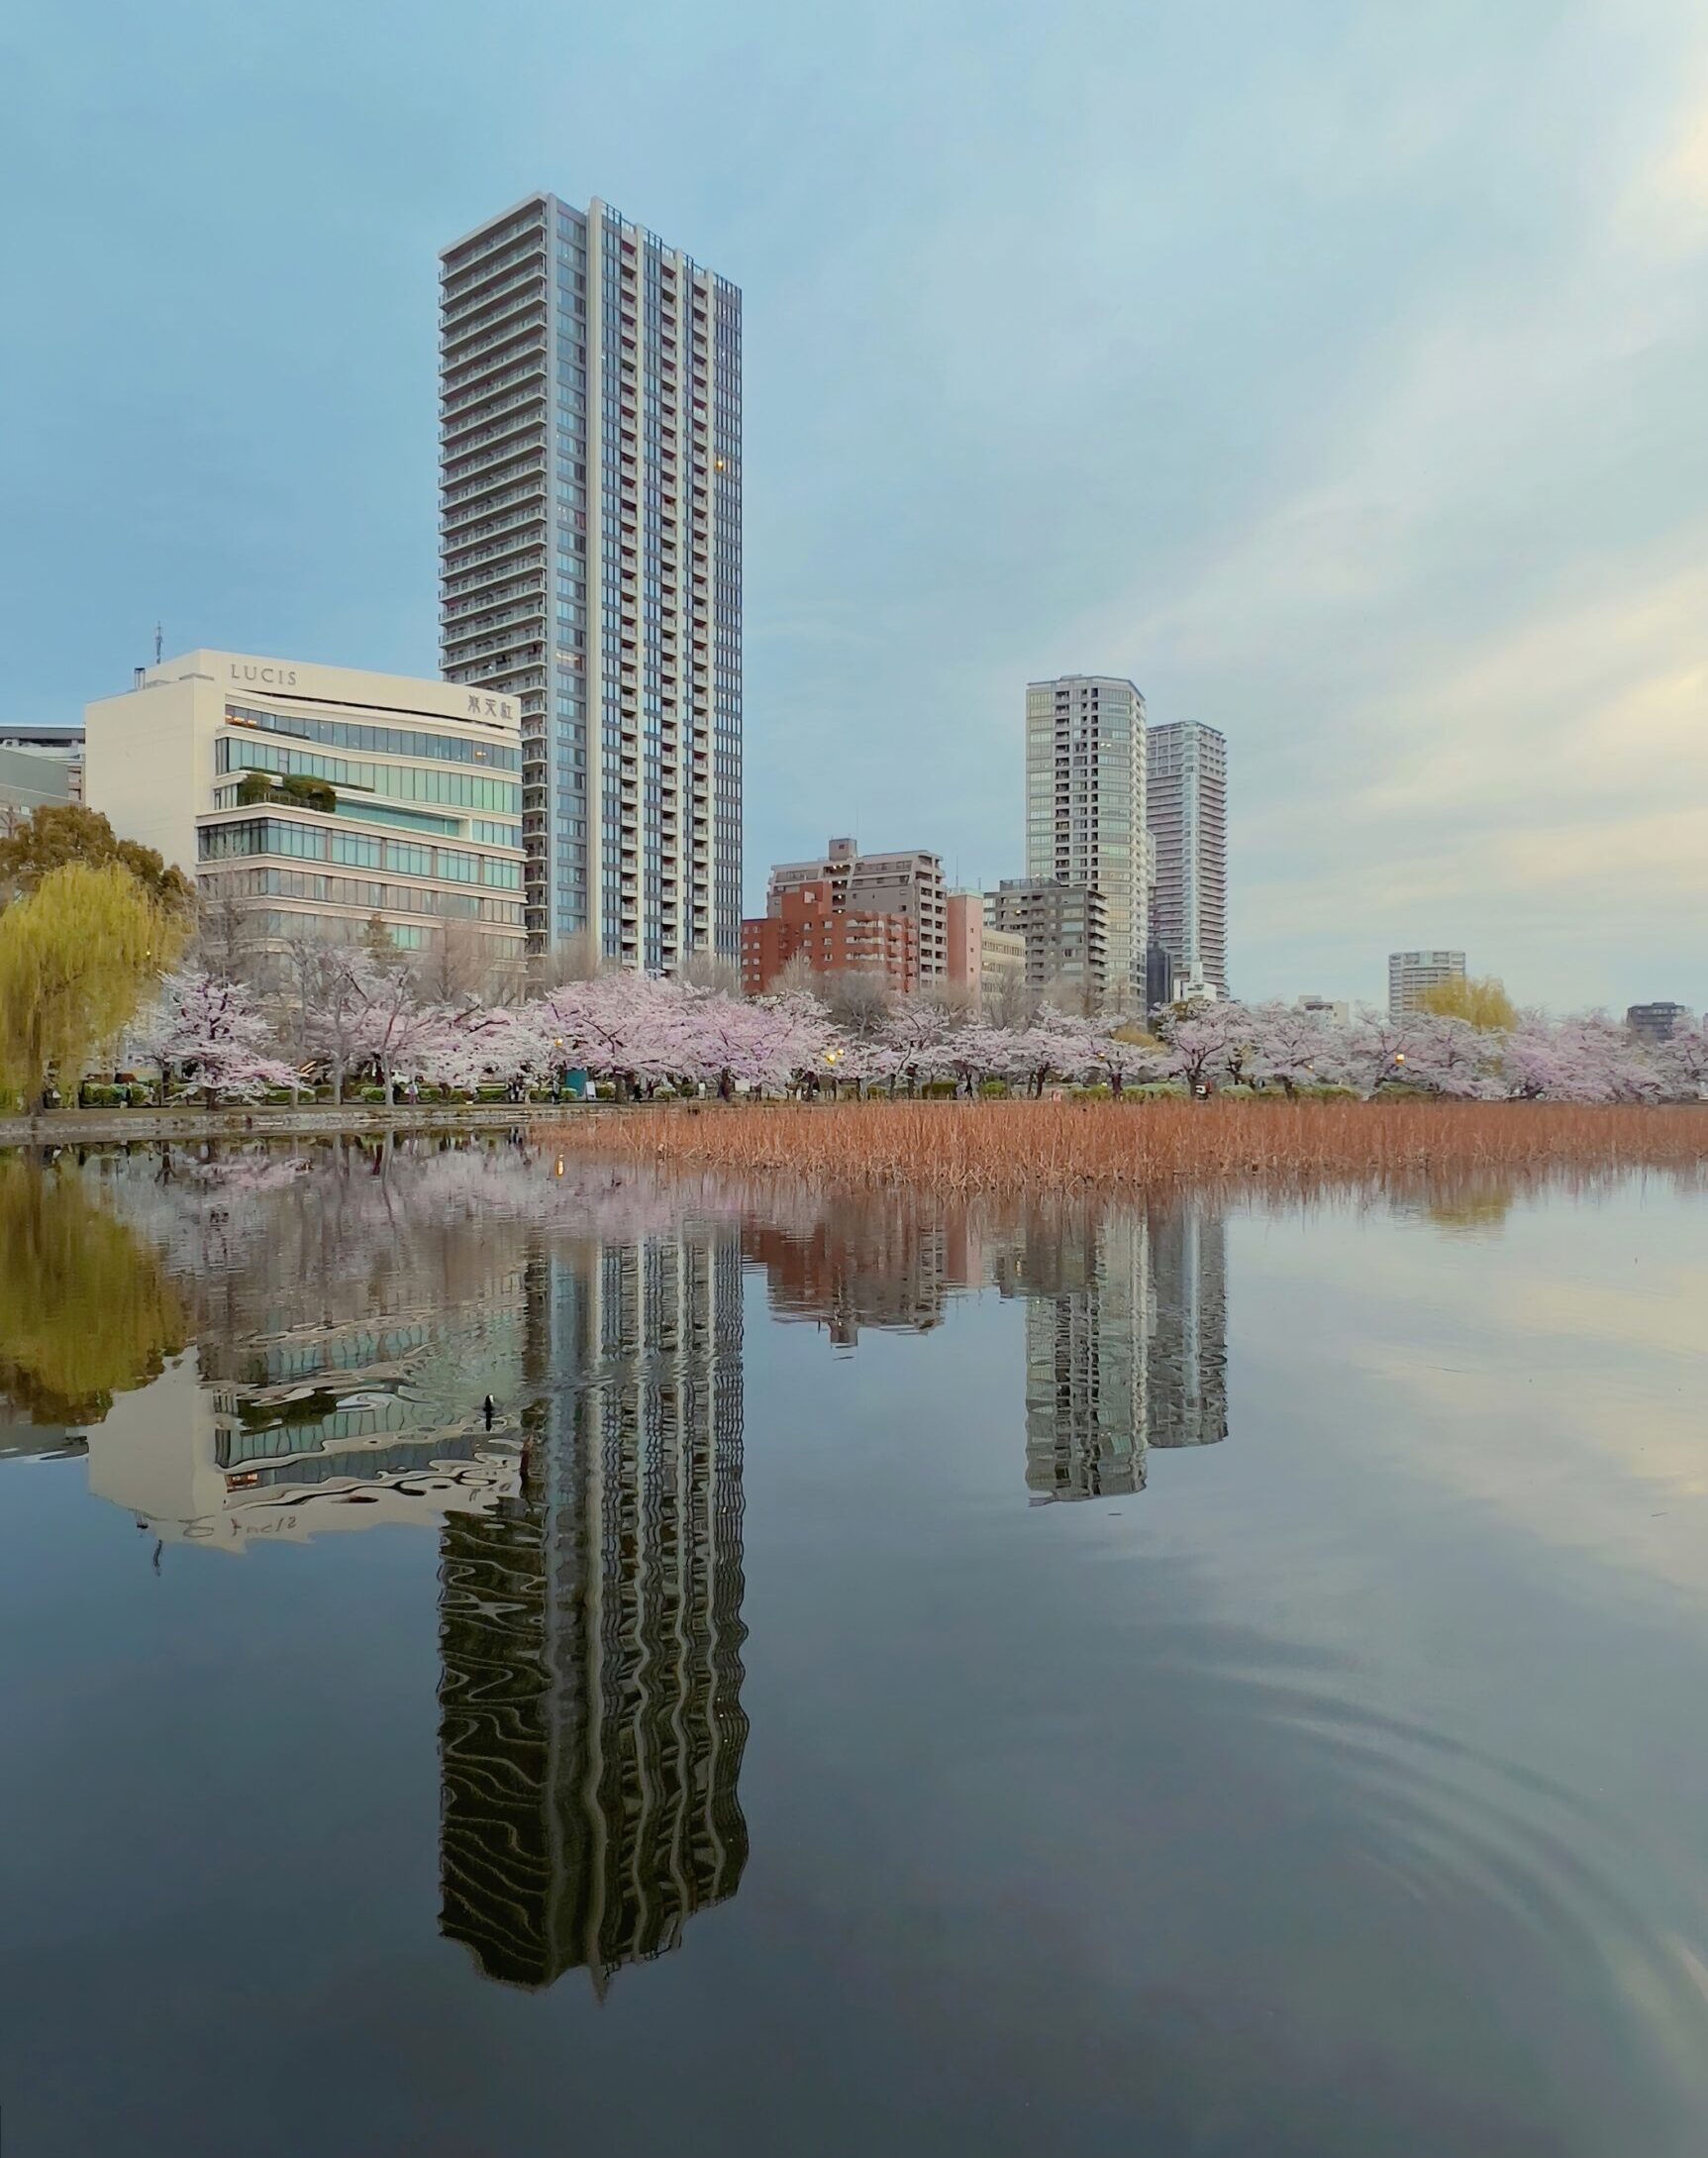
(591, 557)
(1188, 813)
(1085, 790)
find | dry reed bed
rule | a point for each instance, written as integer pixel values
(1027, 1146)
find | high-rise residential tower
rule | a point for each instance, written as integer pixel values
(591, 557)
(1086, 786)
(1188, 812)
(1410, 973)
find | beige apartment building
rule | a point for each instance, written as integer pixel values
(1410, 973)
(908, 882)
(318, 797)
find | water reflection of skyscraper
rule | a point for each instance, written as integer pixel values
(1125, 1321)
(591, 1728)
(1189, 1405)
(346, 1327)
(1126, 1343)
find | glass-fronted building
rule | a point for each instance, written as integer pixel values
(313, 799)
(590, 555)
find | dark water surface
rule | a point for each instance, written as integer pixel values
(892, 1679)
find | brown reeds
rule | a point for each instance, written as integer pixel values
(1029, 1146)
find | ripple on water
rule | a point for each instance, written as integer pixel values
(1501, 1856)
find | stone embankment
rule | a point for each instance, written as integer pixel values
(101, 1127)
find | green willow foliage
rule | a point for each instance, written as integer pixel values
(78, 956)
(85, 1312)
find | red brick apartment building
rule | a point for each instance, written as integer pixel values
(808, 923)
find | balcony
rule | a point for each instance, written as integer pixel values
(472, 515)
(522, 416)
(521, 311)
(492, 297)
(507, 460)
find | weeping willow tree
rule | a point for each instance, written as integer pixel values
(78, 956)
(1480, 998)
(85, 1312)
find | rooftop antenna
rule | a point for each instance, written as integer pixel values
(160, 632)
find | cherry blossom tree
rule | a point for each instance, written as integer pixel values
(212, 1036)
(1583, 1058)
(1291, 1049)
(1683, 1063)
(919, 1031)
(397, 1027)
(1194, 1042)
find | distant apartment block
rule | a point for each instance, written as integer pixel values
(1063, 927)
(1003, 956)
(981, 958)
(833, 941)
(1186, 807)
(315, 799)
(1410, 973)
(41, 767)
(907, 883)
(1085, 807)
(963, 925)
(1657, 1024)
(590, 562)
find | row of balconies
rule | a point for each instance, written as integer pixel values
(523, 451)
(510, 318)
(474, 505)
(487, 633)
(466, 279)
(490, 587)
(481, 362)
(515, 580)
(530, 368)
(519, 563)
(516, 534)
(495, 296)
(492, 424)
(530, 223)
(498, 657)
(512, 468)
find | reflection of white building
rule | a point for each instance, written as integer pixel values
(326, 1428)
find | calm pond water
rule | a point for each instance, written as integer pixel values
(891, 1679)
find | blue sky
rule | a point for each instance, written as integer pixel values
(1335, 370)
